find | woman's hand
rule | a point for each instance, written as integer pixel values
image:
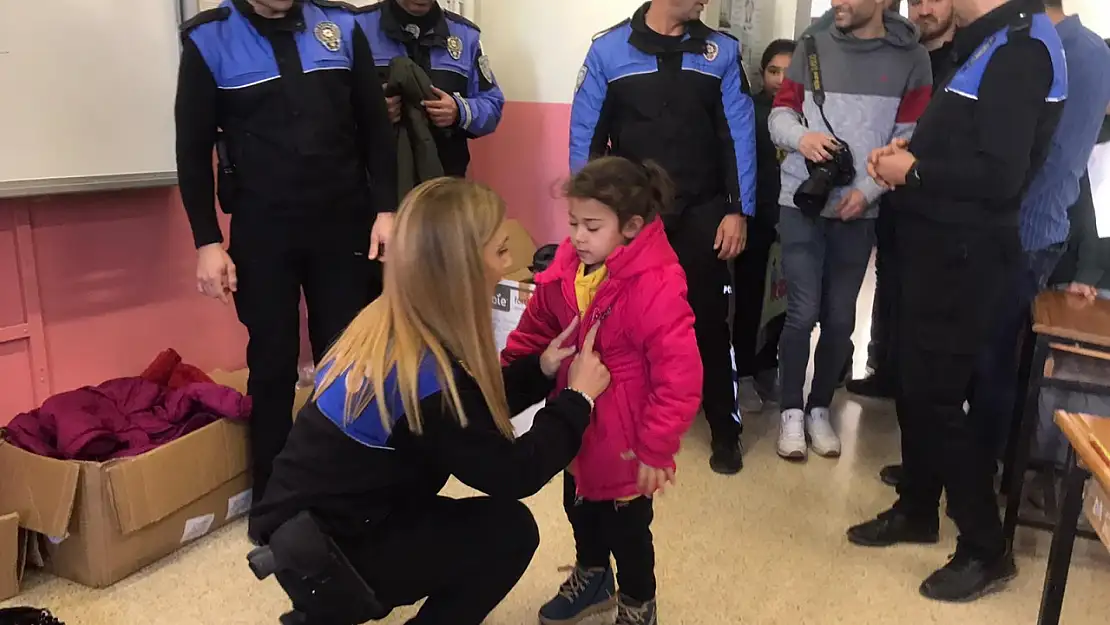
(652, 480)
(552, 358)
(587, 374)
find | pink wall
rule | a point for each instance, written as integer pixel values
(112, 274)
(94, 286)
(526, 161)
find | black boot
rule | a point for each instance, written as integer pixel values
(727, 458)
(874, 385)
(891, 474)
(968, 577)
(894, 527)
(27, 616)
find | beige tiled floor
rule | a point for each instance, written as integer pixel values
(761, 548)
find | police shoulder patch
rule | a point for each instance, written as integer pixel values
(217, 14)
(458, 19)
(582, 74)
(611, 29)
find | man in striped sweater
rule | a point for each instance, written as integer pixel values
(876, 83)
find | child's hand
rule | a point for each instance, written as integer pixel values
(552, 358)
(652, 480)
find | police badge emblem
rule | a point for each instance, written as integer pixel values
(582, 73)
(454, 47)
(712, 50)
(327, 33)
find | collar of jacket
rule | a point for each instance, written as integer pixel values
(643, 37)
(970, 37)
(293, 21)
(393, 28)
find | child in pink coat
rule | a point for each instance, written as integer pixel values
(618, 272)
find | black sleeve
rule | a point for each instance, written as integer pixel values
(196, 125)
(525, 383)
(375, 133)
(1091, 261)
(483, 458)
(1011, 99)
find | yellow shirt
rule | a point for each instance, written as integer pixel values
(586, 286)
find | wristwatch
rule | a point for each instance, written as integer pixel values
(913, 177)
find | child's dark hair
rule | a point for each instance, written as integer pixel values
(775, 48)
(630, 189)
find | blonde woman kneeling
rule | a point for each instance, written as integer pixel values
(413, 393)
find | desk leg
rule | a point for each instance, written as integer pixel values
(1022, 447)
(1063, 542)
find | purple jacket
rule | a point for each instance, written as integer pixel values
(122, 417)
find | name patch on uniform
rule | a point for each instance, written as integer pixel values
(582, 73)
(455, 47)
(327, 33)
(712, 51)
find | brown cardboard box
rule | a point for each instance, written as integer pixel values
(521, 248)
(1098, 510)
(12, 550)
(108, 520)
(513, 292)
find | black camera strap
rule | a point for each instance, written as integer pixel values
(813, 63)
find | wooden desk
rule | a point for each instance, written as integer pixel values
(1066, 316)
(1062, 322)
(1089, 438)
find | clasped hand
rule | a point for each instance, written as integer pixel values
(890, 164)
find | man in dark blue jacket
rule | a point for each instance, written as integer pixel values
(287, 93)
(447, 47)
(663, 86)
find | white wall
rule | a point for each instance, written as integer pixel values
(1094, 13)
(536, 47)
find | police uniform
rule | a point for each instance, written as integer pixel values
(447, 47)
(985, 133)
(683, 102)
(306, 159)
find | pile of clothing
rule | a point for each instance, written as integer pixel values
(127, 416)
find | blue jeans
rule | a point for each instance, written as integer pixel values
(824, 261)
(995, 387)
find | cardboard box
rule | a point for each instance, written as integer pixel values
(107, 520)
(12, 556)
(1098, 510)
(513, 292)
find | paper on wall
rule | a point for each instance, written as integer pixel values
(1099, 170)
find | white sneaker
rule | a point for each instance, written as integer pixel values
(748, 398)
(792, 435)
(822, 437)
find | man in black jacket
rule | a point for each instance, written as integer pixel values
(288, 93)
(663, 86)
(937, 23)
(959, 185)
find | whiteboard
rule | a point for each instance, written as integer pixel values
(86, 94)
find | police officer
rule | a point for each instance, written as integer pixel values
(447, 47)
(664, 86)
(959, 184)
(287, 92)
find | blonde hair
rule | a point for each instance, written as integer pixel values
(436, 303)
